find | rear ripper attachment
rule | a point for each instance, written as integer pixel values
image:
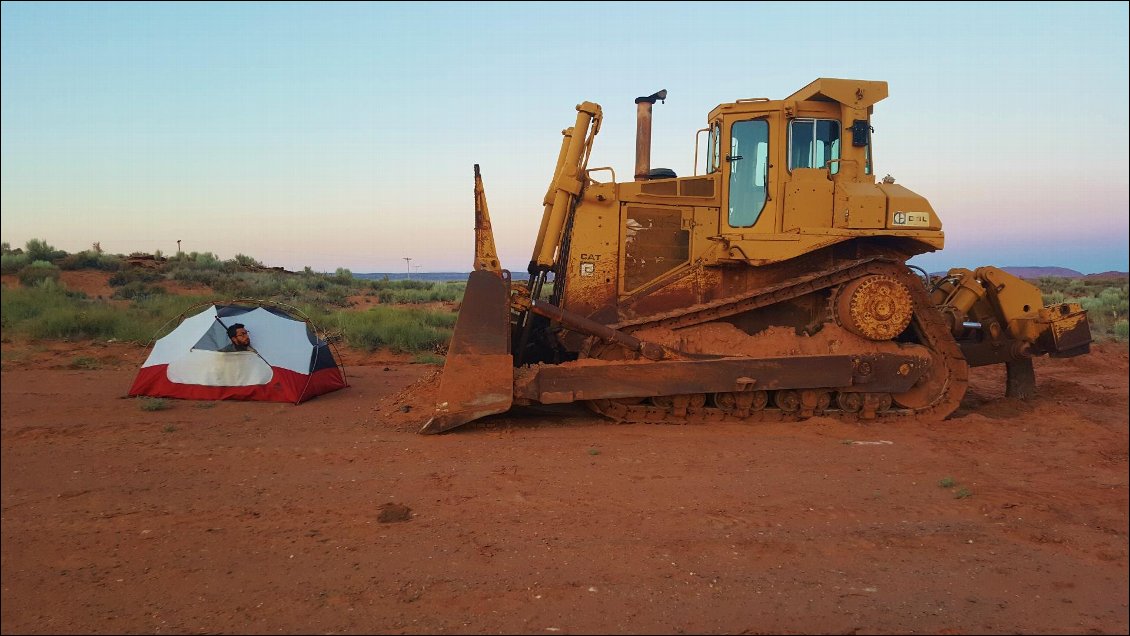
(772, 286)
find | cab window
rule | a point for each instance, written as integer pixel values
(813, 143)
(749, 171)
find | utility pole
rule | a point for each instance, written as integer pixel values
(408, 260)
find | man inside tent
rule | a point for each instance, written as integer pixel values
(240, 339)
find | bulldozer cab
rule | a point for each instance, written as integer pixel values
(812, 148)
(802, 168)
(780, 179)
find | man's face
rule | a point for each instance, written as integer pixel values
(241, 337)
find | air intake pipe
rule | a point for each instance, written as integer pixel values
(643, 133)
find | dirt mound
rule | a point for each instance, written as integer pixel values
(408, 409)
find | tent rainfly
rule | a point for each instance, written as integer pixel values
(287, 363)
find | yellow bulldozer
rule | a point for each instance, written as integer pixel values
(770, 285)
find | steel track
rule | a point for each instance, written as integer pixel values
(928, 325)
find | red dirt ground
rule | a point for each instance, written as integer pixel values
(335, 517)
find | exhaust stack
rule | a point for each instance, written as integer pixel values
(643, 132)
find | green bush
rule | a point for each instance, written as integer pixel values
(403, 330)
(137, 290)
(156, 404)
(1105, 300)
(196, 276)
(415, 294)
(37, 272)
(343, 276)
(1121, 330)
(13, 263)
(243, 260)
(428, 358)
(206, 260)
(39, 250)
(134, 275)
(48, 311)
(91, 259)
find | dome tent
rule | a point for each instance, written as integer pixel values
(288, 363)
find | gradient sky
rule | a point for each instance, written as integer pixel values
(343, 135)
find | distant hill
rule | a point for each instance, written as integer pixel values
(1041, 271)
(1033, 272)
(1107, 275)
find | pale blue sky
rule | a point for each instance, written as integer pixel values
(344, 135)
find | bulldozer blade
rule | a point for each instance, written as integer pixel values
(478, 376)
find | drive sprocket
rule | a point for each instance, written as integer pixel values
(876, 307)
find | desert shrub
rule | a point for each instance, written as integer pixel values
(36, 272)
(12, 263)
(1121, 330)
(39, 250)
(155, 404)
(337, 296)
(137, 290)
(318, 283)
(292, 289)
(134, 275)
(157, 315)
(50, 311)
(403, 330)
(85, 362)
(90, 259)
(426, 292)
(196, 275)
(1054, 297)
(205, 260)
(242, 260)
(1104, 299)
(428, 358)
(1105, 309)
(95, 321)
(297, 286)
(100, 322)
(385, 283)
(57, 287)
(19, 306)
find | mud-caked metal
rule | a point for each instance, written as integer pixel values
(771, 283)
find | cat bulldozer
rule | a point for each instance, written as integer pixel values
(770, 285)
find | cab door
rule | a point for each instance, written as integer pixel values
(749, 197)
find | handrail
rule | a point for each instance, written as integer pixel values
(696, 134)
(608, 168)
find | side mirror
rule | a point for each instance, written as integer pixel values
(861, 132)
